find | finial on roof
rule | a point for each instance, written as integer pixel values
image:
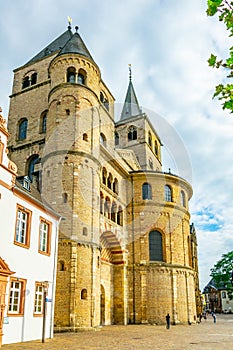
(76, 28)
(69, 22)
(130, 72)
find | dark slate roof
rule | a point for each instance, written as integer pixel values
(131, 107)
(68, 42)
(76, 45)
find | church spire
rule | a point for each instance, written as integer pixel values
(131, 107)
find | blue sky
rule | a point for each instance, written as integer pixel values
(168, 43)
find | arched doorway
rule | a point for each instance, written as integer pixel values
(102, 306)
(113, 278)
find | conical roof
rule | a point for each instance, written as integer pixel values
(131, 107)
(68, 42)
(76, 45)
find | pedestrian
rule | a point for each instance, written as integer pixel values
(214, 317)
(168, 321)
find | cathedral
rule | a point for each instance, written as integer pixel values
(127, 253)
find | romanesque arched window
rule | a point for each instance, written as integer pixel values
(33, 78)
(70, 75)
(31, 165)
(109, 181)
(103, 139)
(26, 82)
(149, 138)
(116, 139)
(168, 193)
(64, 197)
(23, 125)
(146, 191)
(182, 198)
(104, 176)
(85, 137)
(156, 148)
(107, 208)
(113, 211)
(84, 294)
(132, 133)
(101, 203)
(115, 186)
(82, 77)
(156, 246)
(43, 122)
(120, 216)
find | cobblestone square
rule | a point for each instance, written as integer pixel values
(203, 336)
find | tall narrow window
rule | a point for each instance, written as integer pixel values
(44, 236)
(168, 193)
(149, 139)
(33, 78)
(64, 197)
(101, 203)
(26, 82)
(104, 176)
(107, 208)
(113, 211)
(38, 303)
(156, 246)
(120, 216)
(23, 124)
(71, 73)
(43, 122)
(132, 133)
(16, 296)
(183, 199)
(109, 181)
(115, 186)
(117, 139)
(146, 191)
(156, 148)
(31, 165)
(103, 139)
(22, 232)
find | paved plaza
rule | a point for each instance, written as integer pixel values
(203, 336)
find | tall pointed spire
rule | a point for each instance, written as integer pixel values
(131, 107)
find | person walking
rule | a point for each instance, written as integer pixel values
(214, 317)
(168, 321)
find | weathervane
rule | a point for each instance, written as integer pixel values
(69, 21)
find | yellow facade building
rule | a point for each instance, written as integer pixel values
(127, 252)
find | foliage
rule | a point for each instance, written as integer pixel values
(222, 272)
(224, 9)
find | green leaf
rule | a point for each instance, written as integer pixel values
(212, 60)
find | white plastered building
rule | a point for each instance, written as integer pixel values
(28, 254)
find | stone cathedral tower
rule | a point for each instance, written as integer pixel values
(126, 250)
